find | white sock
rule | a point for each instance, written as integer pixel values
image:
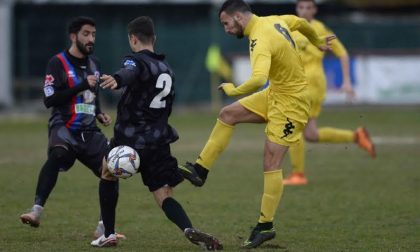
(37, 208)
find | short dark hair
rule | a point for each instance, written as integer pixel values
(231, 6)
(75, 24)
(143, 28)
(312, 1)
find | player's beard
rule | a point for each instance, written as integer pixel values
(84, 49)
(240, 33)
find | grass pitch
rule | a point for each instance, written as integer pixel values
(352, 203)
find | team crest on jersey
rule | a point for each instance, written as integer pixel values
(88, 96)
(130, 63)
(49, 80)
(253, 44)
(48, 90)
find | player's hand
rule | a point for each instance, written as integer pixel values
(108, 82)
(220, 87)
(92, 80)
(104, 119)
(347, 88)
(327, 45)
(227, 88)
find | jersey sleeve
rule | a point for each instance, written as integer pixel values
(260, 64)
(130, 70)
(56, 92)
(337, 47)
(54, 77)
(299, 24)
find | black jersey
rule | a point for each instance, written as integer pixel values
(146, 101)
(67, 91)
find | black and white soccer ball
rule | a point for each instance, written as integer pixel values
(123, 161)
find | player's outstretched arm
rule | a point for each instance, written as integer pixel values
(300, 24)
(326, 45)
(108, 81)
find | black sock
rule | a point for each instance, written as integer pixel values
(174, 211)
(265, 226)
(46, 181)
(108, 198)
(202, 172)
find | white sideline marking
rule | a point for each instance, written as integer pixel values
(394, 140)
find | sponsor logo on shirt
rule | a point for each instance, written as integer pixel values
(82, 108)
(71, 74)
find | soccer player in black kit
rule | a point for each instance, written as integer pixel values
(147, 82)
(71, 89)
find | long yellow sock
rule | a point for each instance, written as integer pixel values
(333, 135)
(217, 142)
(273, 189)
(297, 156)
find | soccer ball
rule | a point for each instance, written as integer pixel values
(123, 161)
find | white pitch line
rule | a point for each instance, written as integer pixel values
(394, 140)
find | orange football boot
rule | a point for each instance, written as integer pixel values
(364, 141)
(296, 178)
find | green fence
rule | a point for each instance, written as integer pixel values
(184, 33)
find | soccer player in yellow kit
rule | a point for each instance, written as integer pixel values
(312, 61)
(283, 106)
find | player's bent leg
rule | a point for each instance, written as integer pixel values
(273, 188)
(222, 132)
(219, 139)
(237, 113)
(334, 135)
(59, 157)
(311, 131)
(172, 209)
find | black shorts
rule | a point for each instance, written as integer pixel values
(89, 147)
(158, 167)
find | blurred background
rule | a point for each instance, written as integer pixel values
(382, 37)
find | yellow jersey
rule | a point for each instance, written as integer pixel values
(274, 54)
(312, 57)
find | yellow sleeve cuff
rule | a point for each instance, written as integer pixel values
(229, 89)
(251, 85)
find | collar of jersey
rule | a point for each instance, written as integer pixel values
(251, 24)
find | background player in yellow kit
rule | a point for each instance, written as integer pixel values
(312, 60)
(284, 105)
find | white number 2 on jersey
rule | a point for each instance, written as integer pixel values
(164, 81)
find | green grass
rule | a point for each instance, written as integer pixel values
(352, 203)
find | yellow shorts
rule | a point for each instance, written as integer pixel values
(317, 91)
(316, 107)
(286, 115)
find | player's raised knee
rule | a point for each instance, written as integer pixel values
(227, 115)
(62, 156)
(311, 136)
